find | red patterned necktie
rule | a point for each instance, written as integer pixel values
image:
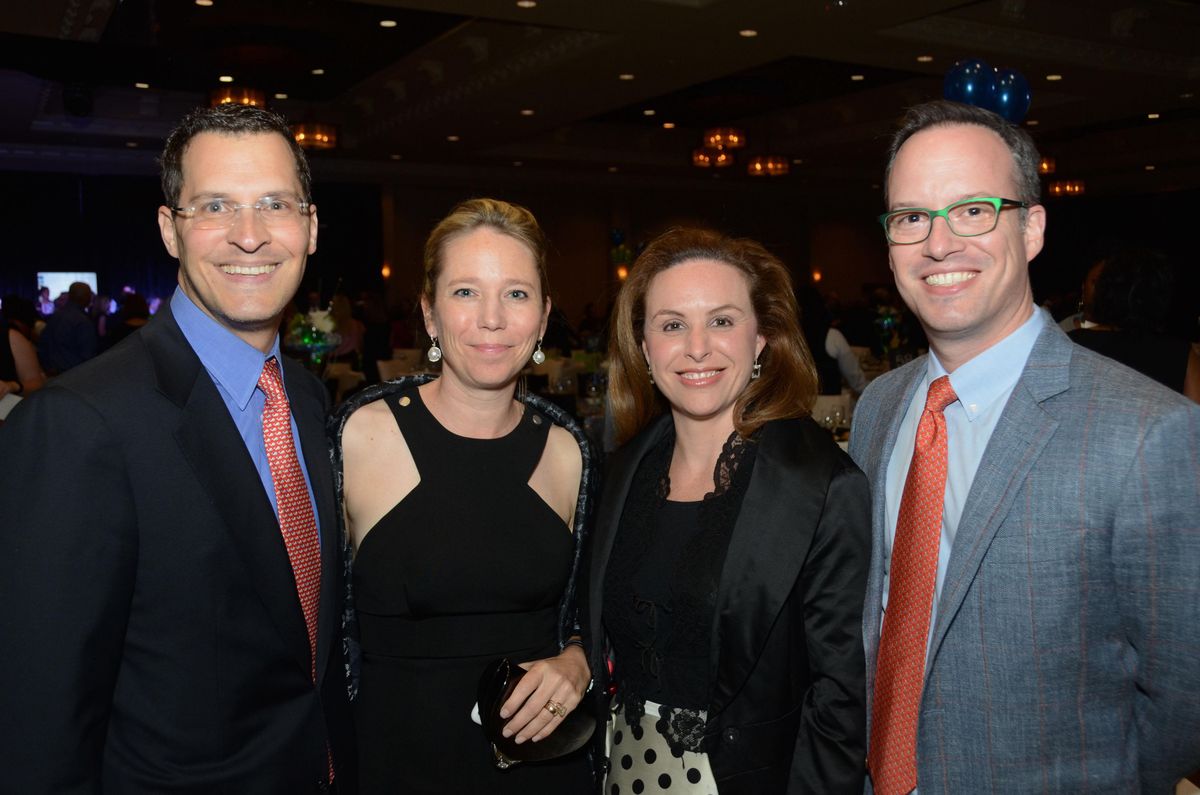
(296, 520)
(900, 672)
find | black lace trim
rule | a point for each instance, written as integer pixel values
(693, 583)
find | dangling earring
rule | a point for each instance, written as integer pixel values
(538, 357)
(757, 371)
(650, 373)
(434, 354)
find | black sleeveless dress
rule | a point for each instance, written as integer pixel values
(469, 566)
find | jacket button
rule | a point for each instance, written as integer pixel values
(731, 735)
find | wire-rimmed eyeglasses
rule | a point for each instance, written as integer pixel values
(219, 213)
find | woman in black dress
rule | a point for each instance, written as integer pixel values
(729, 560)
(466, 506)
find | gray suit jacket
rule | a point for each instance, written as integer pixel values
(1065, 656)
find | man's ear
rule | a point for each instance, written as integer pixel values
(166, 227)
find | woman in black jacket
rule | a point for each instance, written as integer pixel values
(729, 558)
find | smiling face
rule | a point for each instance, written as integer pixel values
(241, 276)
(701, 338)
(968, 292)
(487, 310)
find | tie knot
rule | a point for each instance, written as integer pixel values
(270, 382)
(941, 394)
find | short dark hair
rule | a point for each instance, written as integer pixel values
(228, 119)
(943, 112)
(788, 385)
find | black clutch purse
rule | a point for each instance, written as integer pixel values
(496, 685)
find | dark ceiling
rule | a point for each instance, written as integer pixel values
(468, 68)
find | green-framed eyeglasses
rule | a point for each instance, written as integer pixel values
(967, 218)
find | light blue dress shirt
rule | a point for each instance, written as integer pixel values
(983, 386)
(234, 366)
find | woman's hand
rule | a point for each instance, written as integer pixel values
(559, 680)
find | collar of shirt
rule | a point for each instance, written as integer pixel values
(991, 374)
(233, 363)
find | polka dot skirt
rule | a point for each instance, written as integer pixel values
(640, 761)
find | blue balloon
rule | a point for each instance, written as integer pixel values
(1012, 95)
(971, 82)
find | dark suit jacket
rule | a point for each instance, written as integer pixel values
(152, 637)
(787, 707)
(1063, 658)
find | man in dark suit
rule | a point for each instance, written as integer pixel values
(1032, 604)
(170, 581)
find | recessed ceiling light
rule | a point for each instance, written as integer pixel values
(527, 111)
(526, 3)
(280, 95)
(205, 3)
(612, 169)
(387, 23)
(518, 163)
(748, 33)
(1149, 168)
(396, 157)
(318, 71)
(625, 76)
(226, 78)
(1053, 78)
(668, 125)
(1152, 116)
(131, 144)
(648, 112)
(141, 85)
(797, 161)
(858, 78)
(1032, 123)
(924, 58)
(452, 138)
(1186, 95)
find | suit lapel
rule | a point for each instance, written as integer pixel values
(770, 541)
(309, 414)
(1020, 436)
(211, 444)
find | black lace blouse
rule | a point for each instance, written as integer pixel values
(662, 579)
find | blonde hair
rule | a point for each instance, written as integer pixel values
(507, 219)
(788, 384)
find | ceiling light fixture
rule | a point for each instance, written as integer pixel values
(1047, 165)
(1054, 78)
(527, 111)
(313, 135)
(237, 95)
(924, 58)
(1073, 187)
(625, 76)
(526, 3)
(767, 166)
(225, 78)
(748, 33)
(387, 23)
(280, 95)
(648, 112)
(134, 145)
(858, 78)
(453, 139)
(318, 71)
(1149, 168)
(141, 85)
(204, 3)
(668, 125)
(612, 169)
(724, 138)
(1152, 116)
(1032, 122)
(396, 157)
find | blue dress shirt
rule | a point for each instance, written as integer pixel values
(983, 386)
(234, 366)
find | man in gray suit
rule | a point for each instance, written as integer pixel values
(1038, 539)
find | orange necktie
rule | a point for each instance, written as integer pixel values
(900, 672)
(296, 520)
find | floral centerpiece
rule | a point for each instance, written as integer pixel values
(314, 334)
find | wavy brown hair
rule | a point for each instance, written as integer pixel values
(788, 383)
